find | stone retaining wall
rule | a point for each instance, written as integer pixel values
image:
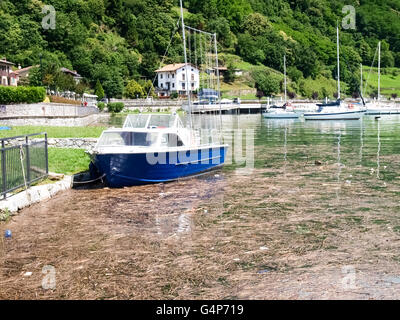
(45, 110)
(54, 121)
(73, 143)
(65, 143)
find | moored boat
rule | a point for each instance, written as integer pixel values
(282, 112)
(152, 149)
(337, 110)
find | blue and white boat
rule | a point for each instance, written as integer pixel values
(153, 149)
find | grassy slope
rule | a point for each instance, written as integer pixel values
(68, 161)
(390, 82)
(55, 132)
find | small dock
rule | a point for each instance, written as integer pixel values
(244, 108)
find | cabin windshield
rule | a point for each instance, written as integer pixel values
(149, 121)
(137, 139)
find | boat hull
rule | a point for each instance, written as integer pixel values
(131, 169)
(288, 115)
(356, 115)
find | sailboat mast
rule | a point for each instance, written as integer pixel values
(186, 67)
(218, 83)
(379, 71)
(284, 70)
(361, 80)
(338, 61)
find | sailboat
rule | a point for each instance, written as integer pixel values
(282, 112)
(154, 148)
(376, 108)
(337, 110)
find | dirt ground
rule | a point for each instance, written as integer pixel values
(298, 231)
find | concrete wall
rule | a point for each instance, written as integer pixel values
(34, 195)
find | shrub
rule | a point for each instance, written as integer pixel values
(101, 106)
(174, 95)
(10, 95)
(115, 107)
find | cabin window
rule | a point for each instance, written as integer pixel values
(171, 140)
(138, 139)
(142, 139)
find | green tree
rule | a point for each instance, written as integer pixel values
(98, 90)
(267, 82)
(229, 75)
(114, 87)
(35, 77)
(134, 90)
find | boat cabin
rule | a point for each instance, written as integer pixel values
(147, 131)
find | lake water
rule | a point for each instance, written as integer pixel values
(315, 217)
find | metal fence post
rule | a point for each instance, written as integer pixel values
(3, 169)
(46, 153)
(28, 162)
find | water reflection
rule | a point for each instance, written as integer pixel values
(378, 169)
(361, 140)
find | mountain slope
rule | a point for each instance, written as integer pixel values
(114, 40)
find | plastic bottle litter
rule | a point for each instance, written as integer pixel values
(8, 234)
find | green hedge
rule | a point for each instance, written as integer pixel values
(115, 107)
(10, 95)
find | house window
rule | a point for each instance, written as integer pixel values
(183, 86)
(162, 85)
(183, 77)
(192, 77)
(192, 85)
(173, 76)
(161, 76)
(173, 85)
(168, 75)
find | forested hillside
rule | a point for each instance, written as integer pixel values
(113, 41)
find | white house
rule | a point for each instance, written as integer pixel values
(172, 78)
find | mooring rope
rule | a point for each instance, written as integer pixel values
(90, 181)
(22, 156)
